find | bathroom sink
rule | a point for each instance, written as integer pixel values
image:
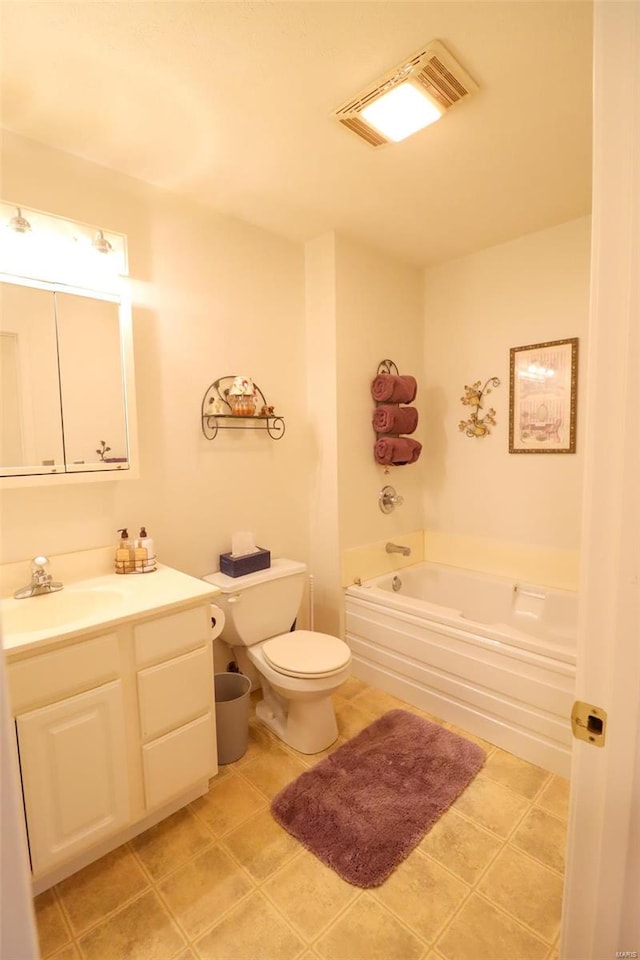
(104, 602)
(65, 607)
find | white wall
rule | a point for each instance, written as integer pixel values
(211, 297)
(478, 497)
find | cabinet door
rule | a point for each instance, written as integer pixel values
(74, 773)
(89, 328)
(30, 420)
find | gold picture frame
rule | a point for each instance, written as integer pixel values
(543, 390)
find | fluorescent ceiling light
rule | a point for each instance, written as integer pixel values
(401, 111)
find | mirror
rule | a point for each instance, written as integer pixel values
(63, 386)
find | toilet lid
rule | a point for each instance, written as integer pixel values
(305, 653)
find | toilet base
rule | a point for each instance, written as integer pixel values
(308, 726)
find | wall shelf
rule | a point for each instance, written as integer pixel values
(217, 413)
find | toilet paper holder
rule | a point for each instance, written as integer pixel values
(218, 620)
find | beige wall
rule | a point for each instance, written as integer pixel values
(362, 307)
(211, 297)
(321, 371)
(379, 311)
(480, 499)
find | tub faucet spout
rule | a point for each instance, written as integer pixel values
(397, 548)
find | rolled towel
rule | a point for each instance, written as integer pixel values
(389, 418)
(394, 389)
(396, 450)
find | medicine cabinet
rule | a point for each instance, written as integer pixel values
(66, 381)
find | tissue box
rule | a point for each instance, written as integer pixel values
(250, 563)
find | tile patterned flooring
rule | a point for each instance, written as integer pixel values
(221, 880)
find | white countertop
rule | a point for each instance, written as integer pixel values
(87, 606)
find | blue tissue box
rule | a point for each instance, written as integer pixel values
(249, 563)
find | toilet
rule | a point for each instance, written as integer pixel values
(298, 670)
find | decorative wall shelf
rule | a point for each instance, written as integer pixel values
(217, 413)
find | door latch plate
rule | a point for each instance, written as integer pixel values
(589, 723)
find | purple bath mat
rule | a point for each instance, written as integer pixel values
(365, 807)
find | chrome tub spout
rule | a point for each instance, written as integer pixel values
(397, 548)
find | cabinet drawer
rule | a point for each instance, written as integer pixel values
(178, 760)
(48, 677)
(170, 694)
(169, 636)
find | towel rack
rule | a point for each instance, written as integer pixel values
(390, 368)
(387, 366)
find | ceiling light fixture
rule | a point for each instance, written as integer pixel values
(408, 98)
(101, 244)
(402, 111)
(19, 223)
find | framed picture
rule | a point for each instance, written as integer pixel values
(542, 397)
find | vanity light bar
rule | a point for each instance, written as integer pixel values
(42, 246)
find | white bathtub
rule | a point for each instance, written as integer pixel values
(491, 655)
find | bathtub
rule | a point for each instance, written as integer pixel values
(494, 656)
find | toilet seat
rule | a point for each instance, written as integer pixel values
(306, 654)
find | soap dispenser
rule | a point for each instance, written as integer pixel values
(145, 556)
(124, 558)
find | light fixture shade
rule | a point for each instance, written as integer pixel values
(101, 244)
(432, 72)
(19, 223)
(401, 111)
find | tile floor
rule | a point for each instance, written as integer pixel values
(220, 880)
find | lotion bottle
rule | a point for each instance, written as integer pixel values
(145, 552)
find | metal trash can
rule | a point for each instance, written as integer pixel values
(232, 715)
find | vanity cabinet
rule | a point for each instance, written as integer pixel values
(115, 732)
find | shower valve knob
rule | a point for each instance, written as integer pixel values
(388, 499)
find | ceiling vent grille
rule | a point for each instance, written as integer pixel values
(364, 130)
(433, 68)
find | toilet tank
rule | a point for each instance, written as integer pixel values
(259, 605)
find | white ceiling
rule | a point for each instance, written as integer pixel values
(231, 103)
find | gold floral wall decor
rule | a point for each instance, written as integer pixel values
(476, 425)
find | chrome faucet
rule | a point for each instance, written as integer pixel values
(396, 548)
(41, 580)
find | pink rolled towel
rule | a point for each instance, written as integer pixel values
(387, 387)
(389, 418)
(396, 450)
